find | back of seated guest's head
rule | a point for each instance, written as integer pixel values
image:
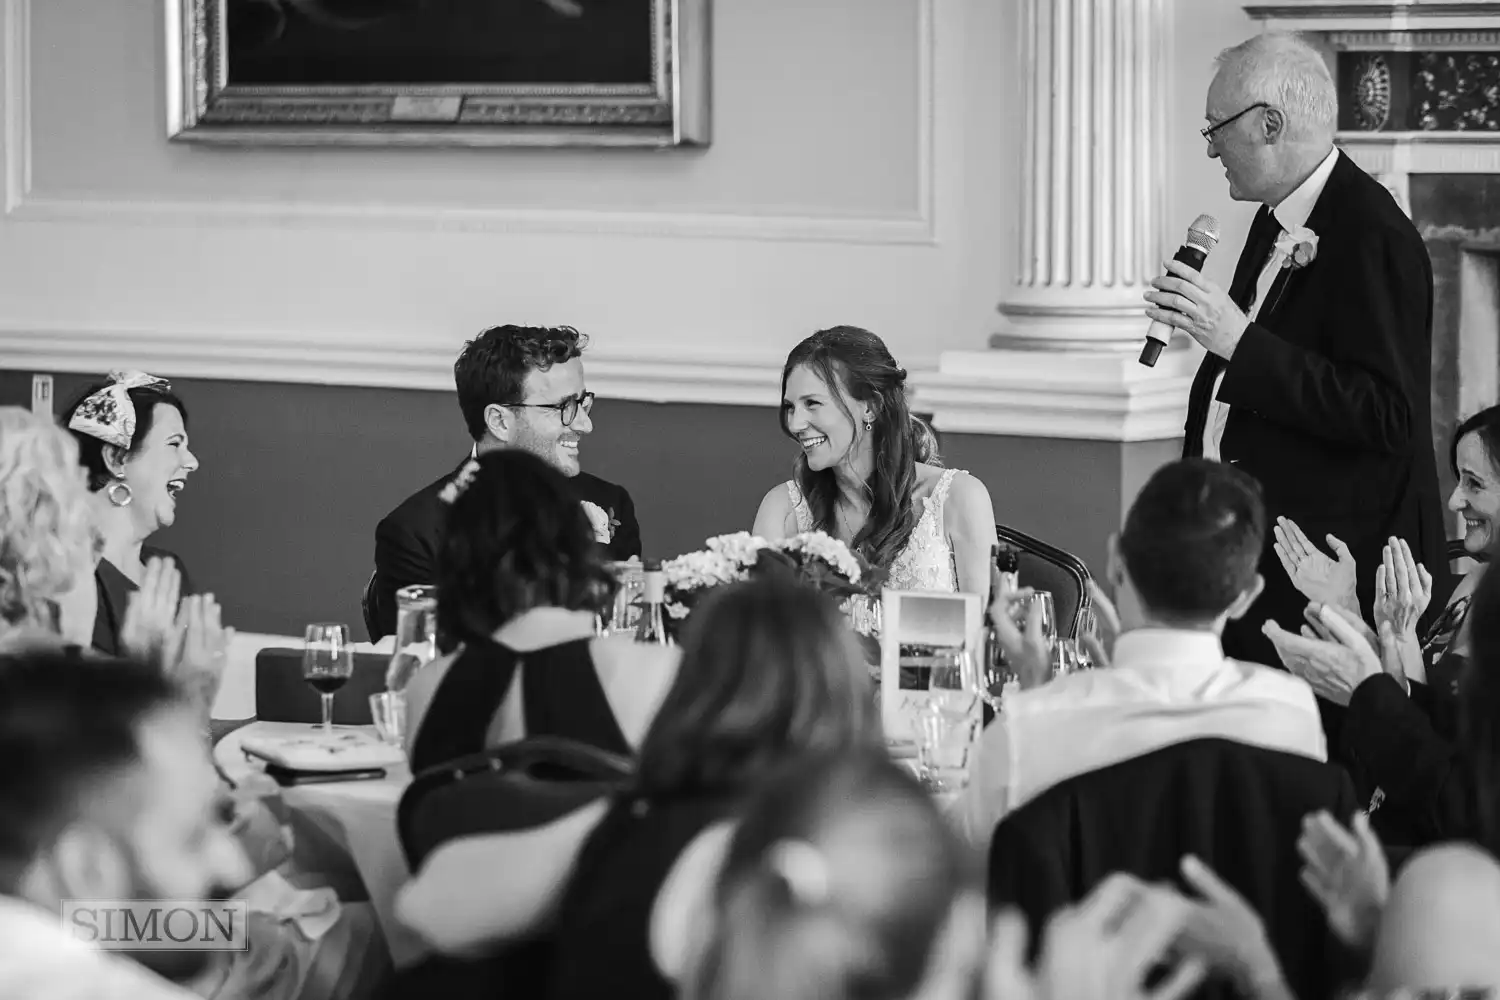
(515, 538)
(511, 380)
(770, 672)
(1190, 548)
(843, 880)
(46, 533)
(108, 792)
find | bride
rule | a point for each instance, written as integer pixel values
(869, 471)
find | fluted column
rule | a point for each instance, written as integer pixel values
(1093, 174)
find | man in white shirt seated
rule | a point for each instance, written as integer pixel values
(1185, 564)
(107, 793)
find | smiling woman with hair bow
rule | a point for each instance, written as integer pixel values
(132, 434)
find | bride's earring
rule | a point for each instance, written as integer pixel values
(868, 425)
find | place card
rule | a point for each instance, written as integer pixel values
(919, 629)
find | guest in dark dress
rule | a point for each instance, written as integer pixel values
(770, 674)
(519, 387)
(520, 576)
(1399, 737)
(132, 434)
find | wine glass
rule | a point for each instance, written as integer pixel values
(947, 723)
(327, 663)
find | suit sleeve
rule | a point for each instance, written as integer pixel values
(1394, 743)
(400, 561)
(1359, 394)
(627, 540)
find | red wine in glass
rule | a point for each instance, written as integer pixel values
(327, 663)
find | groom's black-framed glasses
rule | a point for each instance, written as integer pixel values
(567, 409)
(1208, 133)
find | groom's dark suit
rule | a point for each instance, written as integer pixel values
(406, 541)
(1329, 394)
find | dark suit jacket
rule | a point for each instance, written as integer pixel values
(406, 541)
(1238, 808)
(1408, 748)
(1329, 395)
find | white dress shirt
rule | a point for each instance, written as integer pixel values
(1166, 686)
(39, 960)
(1292, 213)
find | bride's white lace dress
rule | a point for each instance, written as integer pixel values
(927, 561)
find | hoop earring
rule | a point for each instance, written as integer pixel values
(111, 492)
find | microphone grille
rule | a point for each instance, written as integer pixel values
(1204, 233)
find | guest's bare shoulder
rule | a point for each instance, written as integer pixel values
(775, 519)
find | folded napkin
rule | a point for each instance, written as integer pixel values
(343, 751)
(313, 911)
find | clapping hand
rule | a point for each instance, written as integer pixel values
(1320, 579)
(1226, 934)
(1101, 949)
(1028, 653)
(1333, 667)
(149, 630)
(1403, 589)
(1347, 873)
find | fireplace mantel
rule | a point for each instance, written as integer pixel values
(1376, 15)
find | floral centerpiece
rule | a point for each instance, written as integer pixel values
(813, 558)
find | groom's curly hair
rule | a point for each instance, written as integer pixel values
(516, 538)
(492, 368)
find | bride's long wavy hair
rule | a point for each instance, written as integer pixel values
(854, 363)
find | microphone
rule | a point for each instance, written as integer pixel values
(1202, 235)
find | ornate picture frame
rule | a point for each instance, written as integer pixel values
(525, 72)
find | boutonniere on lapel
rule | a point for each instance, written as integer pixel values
(603, 521)
(1298, 248)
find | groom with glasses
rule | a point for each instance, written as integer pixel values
(518, 387)
(1318, 373)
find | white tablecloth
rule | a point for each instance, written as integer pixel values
(236, 698)
(343, 824)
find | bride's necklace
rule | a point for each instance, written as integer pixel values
(843, 516)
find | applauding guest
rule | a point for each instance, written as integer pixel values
(519, 387)
(133, 441)
(519, 579)
(868, 471)
(1399, 684)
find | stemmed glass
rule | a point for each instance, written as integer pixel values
(948, 722)
(327, 663)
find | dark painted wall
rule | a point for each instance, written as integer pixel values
(279, 521)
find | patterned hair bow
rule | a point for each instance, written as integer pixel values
(108, 414)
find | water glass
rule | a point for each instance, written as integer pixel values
(953, 682)
(327, 663)
(388, 711)
(996, 677)
(624, 614)
(416, 635)
(1022, 613)
(944, 743)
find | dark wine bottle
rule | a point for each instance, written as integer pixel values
(652, 628)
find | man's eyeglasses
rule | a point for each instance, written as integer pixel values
(567, 409)
(1208, 133)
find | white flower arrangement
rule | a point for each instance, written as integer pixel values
(827, 548)
(731, 558)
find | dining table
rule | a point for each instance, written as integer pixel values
(344, 831)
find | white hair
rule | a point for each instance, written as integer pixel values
(1285, 71)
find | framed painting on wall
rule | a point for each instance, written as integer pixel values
(439, 72)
